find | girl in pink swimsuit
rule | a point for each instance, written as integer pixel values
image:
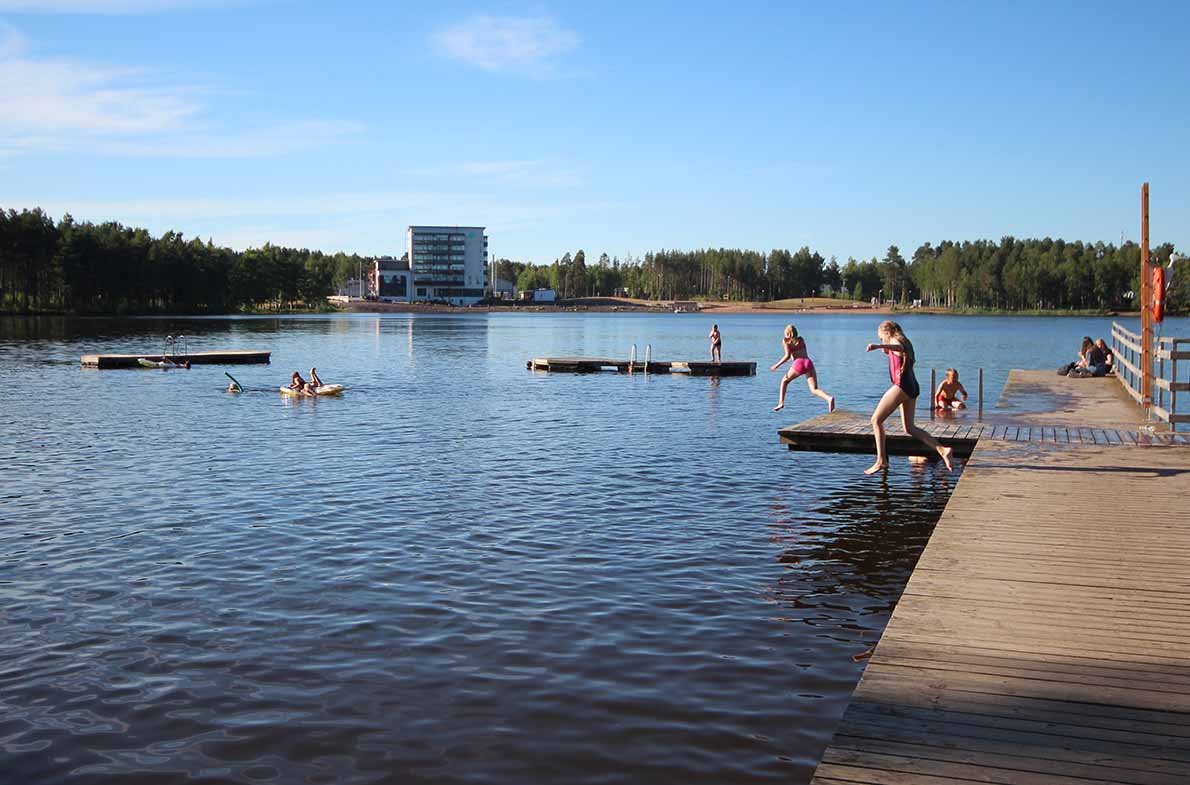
(802, 365)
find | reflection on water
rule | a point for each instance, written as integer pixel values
(460, 571)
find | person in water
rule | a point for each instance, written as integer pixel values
(315, 382)
(801, 365)
(716, 344)
(296, 382)
(902, 394)
(948, 392)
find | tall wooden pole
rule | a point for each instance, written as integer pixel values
(1146, 307)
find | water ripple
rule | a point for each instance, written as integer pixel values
(459, 572)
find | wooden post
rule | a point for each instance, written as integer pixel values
(981, 393)
(1146, 304)
(933, 386)
(1173, 389)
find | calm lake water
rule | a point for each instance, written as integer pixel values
(460, 571)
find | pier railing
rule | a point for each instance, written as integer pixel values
(1169, 378)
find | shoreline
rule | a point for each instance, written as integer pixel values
(605, 305)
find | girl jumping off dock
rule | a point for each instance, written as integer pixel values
(802, 365)
(903, 393)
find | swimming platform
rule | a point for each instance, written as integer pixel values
(233, 357)
(1042, 637)
(597, 364)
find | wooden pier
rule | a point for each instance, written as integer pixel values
(1041, 637)
(597, 364)
(235, 357)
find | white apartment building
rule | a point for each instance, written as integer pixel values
(448, 263)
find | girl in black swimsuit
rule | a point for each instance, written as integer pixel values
(902, 394)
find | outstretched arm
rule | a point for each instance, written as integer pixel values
(888, 347)
(779, 363)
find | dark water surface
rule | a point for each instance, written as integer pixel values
(460, 571)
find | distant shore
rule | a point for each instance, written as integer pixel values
(817, 305)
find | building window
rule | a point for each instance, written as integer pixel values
(421, 292)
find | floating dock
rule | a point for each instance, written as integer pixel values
(196, 358)
(597, 364)
(850, 432)
(1042, 636)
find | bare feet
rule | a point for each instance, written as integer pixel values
(830, 404)
(945, 452)
(778, 407)
(875, 467)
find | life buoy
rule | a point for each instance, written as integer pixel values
(1158, 294)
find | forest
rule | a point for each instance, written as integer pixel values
(108, 268)
(1009, 275)
(85, 268)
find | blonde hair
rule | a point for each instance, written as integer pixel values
(891, 329)
(790, 332)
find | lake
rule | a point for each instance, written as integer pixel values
(460, 571)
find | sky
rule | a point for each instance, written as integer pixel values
(614, 128)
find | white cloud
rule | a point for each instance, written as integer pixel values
(526, 45)
(61, 104)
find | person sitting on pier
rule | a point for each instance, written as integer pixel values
(902, 394)
(1109, 357)
(1091, 360)
(716, 344)
(948, 392)
(801, 365)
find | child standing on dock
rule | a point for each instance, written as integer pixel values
(801, 365)
(716, 344)
(903, 394)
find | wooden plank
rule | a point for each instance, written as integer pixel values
(1033, 644)
(951, 745)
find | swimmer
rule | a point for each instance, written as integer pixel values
(296, 382)
(948, 392)
(716, 344)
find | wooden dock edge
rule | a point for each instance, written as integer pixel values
(234, 357)
(600, 364)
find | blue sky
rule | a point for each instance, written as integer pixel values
(590, 125)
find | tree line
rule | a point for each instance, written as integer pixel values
(71, 267)
(1012, 274)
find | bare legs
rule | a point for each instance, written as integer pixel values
(785, 380)
(892, 399)
(716, 353)
(812, 383)
(923, 437)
